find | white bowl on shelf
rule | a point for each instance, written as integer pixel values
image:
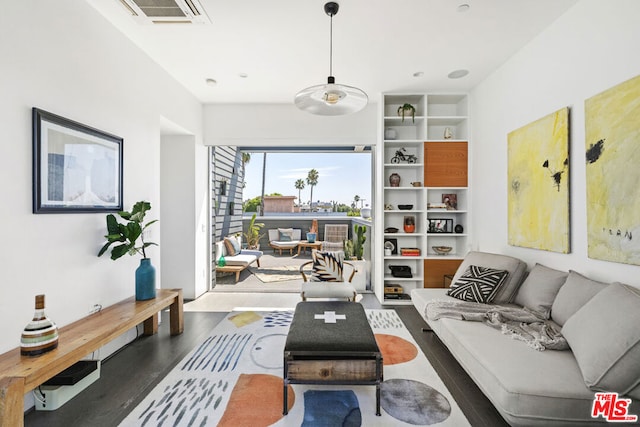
(441, 250)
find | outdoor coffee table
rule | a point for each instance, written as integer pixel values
(344, 352)
(304, 244)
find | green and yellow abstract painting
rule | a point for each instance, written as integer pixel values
(538, 174)
(612, 121)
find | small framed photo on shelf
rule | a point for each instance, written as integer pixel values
(450, 201)
(440, 225)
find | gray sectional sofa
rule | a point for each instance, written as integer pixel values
(601, 325)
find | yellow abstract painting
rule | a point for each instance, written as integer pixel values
(538, 174)
(612, 121)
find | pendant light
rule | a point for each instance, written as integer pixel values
(331, 99)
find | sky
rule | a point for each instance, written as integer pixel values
(341, 176)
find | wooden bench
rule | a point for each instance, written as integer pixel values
(237, 269)
(20, 374)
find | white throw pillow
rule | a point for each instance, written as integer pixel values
(604, 336)
(539, 289)
(575, 293)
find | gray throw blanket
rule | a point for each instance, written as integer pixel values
(519, 323)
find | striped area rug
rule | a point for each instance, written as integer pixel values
(234, 378)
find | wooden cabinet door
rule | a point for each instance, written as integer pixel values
(445, 164)
(435, 269)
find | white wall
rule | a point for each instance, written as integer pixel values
(65, 58)
(184, 215)
(285, 125)
(591, 48)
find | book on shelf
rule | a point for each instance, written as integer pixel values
(410, 251)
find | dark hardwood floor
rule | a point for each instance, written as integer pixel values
(130, 374)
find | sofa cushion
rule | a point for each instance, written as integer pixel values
(220, 250)
(539, 289)
(514, 266)
(327, 266)
(285, 234)
(232, 246)
(478, 284)
(240, 259)
(605, 339)
(528, 387)
(575, 292)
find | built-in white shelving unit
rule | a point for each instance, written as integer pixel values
(439, 118)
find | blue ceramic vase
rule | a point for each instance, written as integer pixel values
(145, 280)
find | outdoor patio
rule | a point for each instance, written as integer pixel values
(277, 273)
(280, 273)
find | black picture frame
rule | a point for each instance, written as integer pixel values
(76, 168)
(439, 225)
(394, 243)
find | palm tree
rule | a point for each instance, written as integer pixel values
(299, 186)
(264, 169)
(312, 180)
(356, 199)
(246, 158)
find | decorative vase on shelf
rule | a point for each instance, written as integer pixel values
(41, 334)
(145, 280)
(409, 224)
(394, 180)
(448, 134)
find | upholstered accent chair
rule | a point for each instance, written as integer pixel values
(326, 277)
(284, 239)
(334, 237)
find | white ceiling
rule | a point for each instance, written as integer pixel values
(283, 45)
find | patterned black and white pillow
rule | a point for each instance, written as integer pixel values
(478, 284)
(327, 266)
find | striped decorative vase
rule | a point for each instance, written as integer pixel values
(41, 334)
(145, 280)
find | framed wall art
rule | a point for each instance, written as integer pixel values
(612, 122)
(538, 173)
(440, 225)
(76, 168)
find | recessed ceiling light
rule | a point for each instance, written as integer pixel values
(458, 74)
(243, 75)
(211, 82)
(418, 74)
(463, 7)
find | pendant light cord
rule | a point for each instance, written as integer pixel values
(331, 46)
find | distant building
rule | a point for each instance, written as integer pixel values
(317, 207)
(279, 204)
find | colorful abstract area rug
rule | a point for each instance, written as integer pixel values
(234, 379)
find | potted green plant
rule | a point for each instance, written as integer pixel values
(348, 250)
(406, 109)
(253, 235)
(358, 245)
(127, 235)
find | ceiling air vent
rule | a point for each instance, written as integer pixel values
(167, 11)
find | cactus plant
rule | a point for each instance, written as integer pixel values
(358, 246)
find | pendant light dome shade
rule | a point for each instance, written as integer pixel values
(331, 99)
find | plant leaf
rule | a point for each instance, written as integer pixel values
(104, 248)
(119, 251)
(112, 225)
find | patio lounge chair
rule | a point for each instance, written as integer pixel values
(327, 276)
(284, 238)
(334, 237)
